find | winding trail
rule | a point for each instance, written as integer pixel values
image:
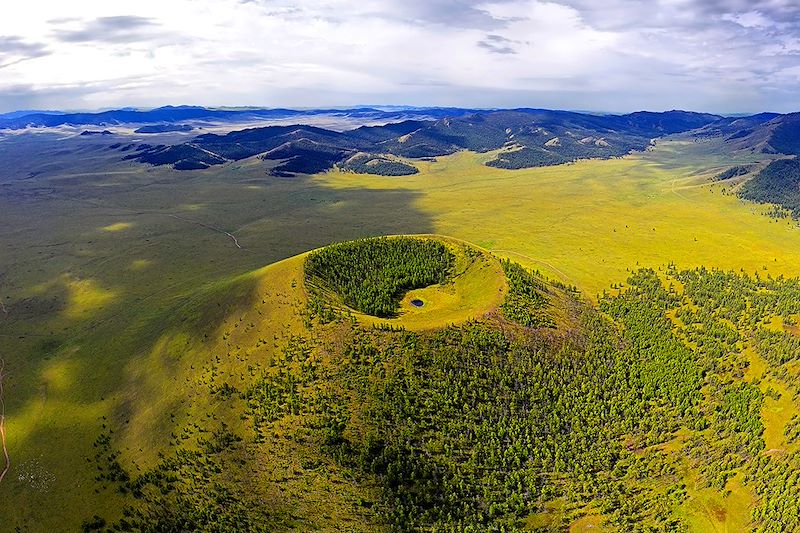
(209, 152)
(207, 226)
(3, 423)
(674, 190)
(124, 211)
(534, 260)
(3, 407)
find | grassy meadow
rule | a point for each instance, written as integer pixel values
(123, 286)
(590, 222)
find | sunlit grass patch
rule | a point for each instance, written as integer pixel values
(709, 510)
(117, 226)
(85, 296)
(140, 264)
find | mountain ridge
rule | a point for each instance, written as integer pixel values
(526, 137)
(170, 114)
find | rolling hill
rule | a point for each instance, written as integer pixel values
(532, 411)
(524, 137)
(765, 133)
(778, 183)
(160, 377)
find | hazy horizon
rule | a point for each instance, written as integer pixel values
(383, 107)
(721, 56)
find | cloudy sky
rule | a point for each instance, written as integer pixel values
(609, 55)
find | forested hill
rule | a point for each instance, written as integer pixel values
(542, 414)
(528, 138)
(778, 183)
(767, 133)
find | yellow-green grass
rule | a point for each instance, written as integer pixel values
(225, 331)
(590, 222)
(476, 287)
(117, 226)
(775, 413)
(555, 514)
(587, 524)
(96, 326)
(708, 510)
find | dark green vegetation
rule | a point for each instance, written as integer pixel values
(526, 158)
(558, 150)
(733, 172)
(731, 128)
(163, 128)
(526, 302)
(485, 427)
(786, 135)
(766, 133)
(183, 156)
(778, 183)
(381, 166)
(372, 275)
(535, 137)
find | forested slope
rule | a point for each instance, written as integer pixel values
(545, 412)
(778, 183)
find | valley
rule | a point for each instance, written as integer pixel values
(145, 306)
(400, 266)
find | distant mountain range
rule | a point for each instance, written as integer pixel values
(25, 112)
(526, 138)
(779, 182)
(522, 137)
(172, 114)
(766, 133)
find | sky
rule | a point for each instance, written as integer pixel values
(722, 56)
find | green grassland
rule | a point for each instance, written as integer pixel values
(90, 310)
(122, 291)
(589, 222)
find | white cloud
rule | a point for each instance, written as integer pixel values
(750, 19)
(616, 55)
